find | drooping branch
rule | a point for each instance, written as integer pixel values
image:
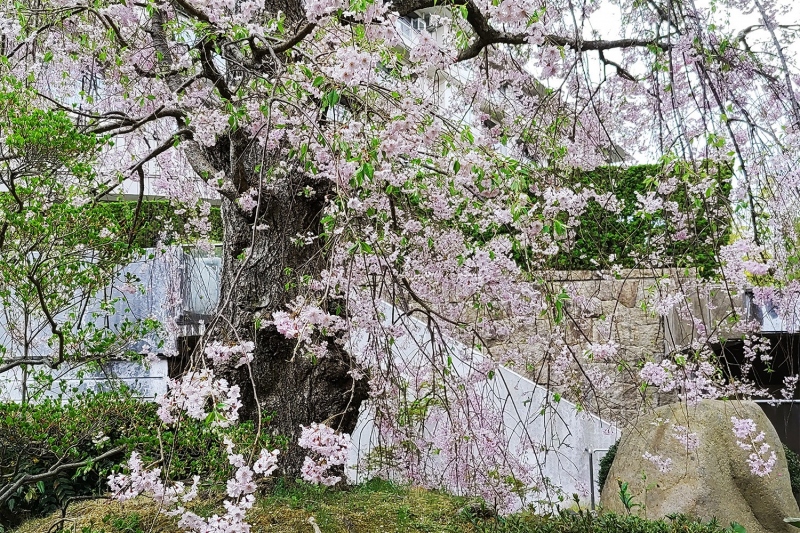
(54, 327)
(69, 13)
(211, 72)
(56, 469)
(125, 124)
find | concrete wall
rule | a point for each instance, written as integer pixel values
(548, 435)
(147, 380)
(178, 289)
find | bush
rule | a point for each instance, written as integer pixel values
(585, 522)
(793, 462)
(629, 237)
(35, 437)
(605, 465)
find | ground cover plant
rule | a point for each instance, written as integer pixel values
(377, 506)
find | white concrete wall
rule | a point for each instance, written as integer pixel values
(563, 435)
(147, 380)
(169, 285)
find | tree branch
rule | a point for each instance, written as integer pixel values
(56, 469)
(486, 35)
(24, 361)
(53, 325)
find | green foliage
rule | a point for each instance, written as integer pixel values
(630, 237)
(41, 140)
(626, 497)
(34, 437)
(154, 218)
(605, 465)
(793, 462)
(585, 522)
(59, 245)
(604, 236)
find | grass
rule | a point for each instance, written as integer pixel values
(377, 506)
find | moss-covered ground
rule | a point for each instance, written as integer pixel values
(377, 506)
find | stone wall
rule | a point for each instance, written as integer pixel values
(617, 312)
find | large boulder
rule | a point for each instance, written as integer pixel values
(713, 480)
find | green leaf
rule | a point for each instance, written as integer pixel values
(330, 99)
(736, 527)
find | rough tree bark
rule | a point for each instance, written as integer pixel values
(261, 273)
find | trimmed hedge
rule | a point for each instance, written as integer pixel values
(154, 217)
(629, 238)
(793, 462)
(605, 465)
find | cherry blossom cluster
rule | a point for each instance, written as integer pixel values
(240, 489)
(761, 458)
(605, 351)
(138, 480)
(237, 354)
(663, 464)
(688, 439)
(329, 449)
(200, 395)
(304, 320)
(693, 381)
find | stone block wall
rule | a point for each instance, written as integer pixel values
(617, 312)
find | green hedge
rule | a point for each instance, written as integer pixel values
(629, 237)
(602, 237)
(34, 436)
(586, 522)
(605, 465)
(154, 217)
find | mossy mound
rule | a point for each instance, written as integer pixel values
(373, 507)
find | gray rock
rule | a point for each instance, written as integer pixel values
(713, 481)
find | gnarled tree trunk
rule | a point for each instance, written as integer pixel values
(261, 273)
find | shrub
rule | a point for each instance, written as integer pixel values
(605, 465)
(148, 225)
(629, 237)
(35, 437)
(586, 522)
(793, 462)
